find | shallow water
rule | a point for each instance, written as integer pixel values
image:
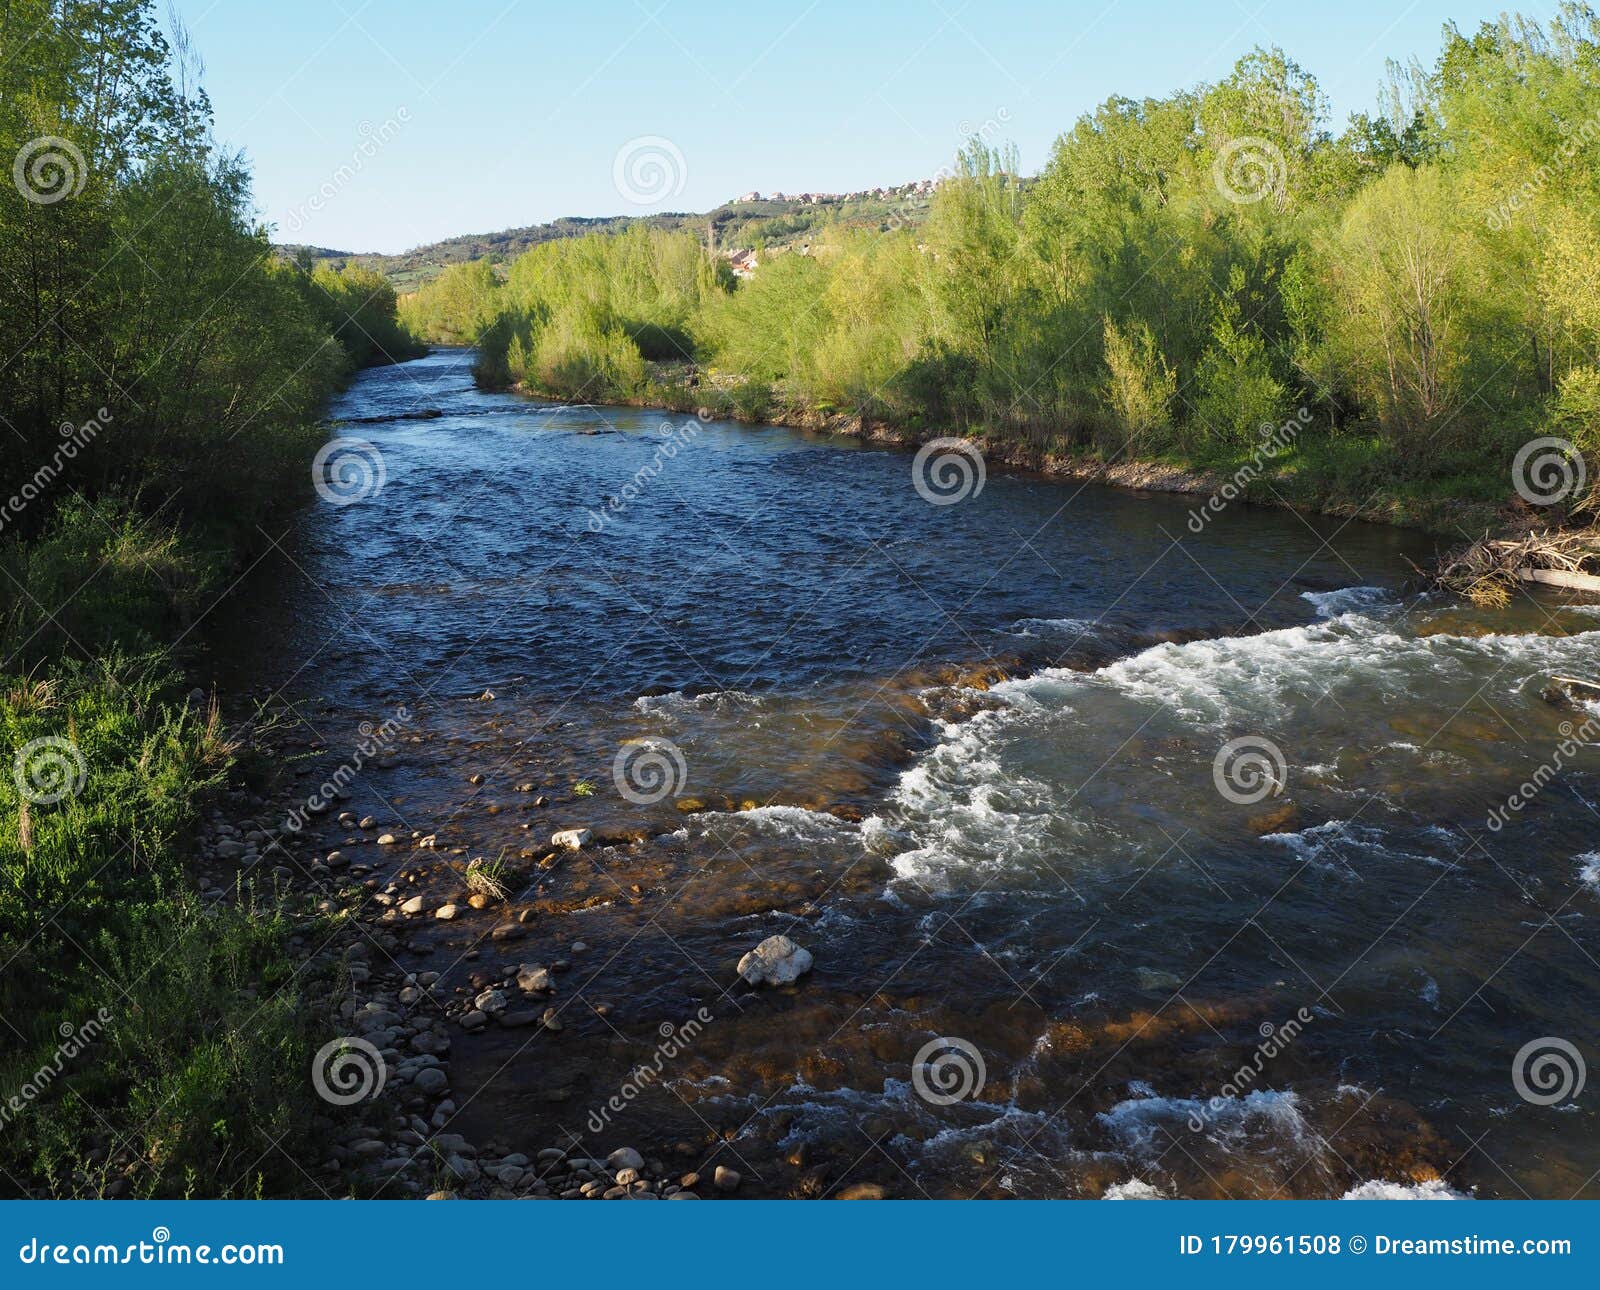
(972, 757)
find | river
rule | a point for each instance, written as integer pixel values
(1137, 854)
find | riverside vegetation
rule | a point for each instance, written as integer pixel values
(1185, 271)
(163, 377)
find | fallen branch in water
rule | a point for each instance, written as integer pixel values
(1486, 571)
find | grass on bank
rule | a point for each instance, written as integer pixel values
(158, 1043)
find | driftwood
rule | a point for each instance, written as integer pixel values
(1561, 578)
(1487, 571)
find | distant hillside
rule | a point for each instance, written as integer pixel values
(774, 221)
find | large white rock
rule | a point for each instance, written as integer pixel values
(572, 839)
(776, 961)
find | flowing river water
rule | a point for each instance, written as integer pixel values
(1134, 860)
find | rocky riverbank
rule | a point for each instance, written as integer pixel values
(386, 1071)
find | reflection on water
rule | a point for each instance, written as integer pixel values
(972, 758)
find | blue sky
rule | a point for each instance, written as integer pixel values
(380, 126)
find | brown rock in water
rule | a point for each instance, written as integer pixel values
(863, 1191)
(1281, 820)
